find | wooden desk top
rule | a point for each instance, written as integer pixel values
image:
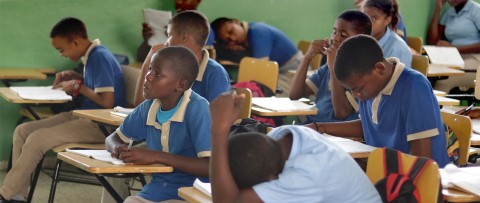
(439, 93)
(265, 112)
(452, 195)
(21, 73)
(12, 97)
(100, 115)
(356, 149)
(475, 140)
(438, 71)
(444, 101)
(100, 167)
(193, 195)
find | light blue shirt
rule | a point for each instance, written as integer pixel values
(394, 46)
(463, 28)
(317, 170)
(163, 116)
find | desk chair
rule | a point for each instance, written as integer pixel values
(462, 128)
(427, 184)
(420, 63)
(260, 70)
(247, 103)
(303, 47)
(416, 43)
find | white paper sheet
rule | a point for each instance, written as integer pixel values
(448, 56)
(280, 104)
(41, 93)
(158, 21)
(203, 187)
(102, 155)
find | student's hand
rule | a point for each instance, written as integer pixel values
(225, 109)
(473, 114)
(118, 150)
(444, 43)
(141, 156)
(331, 54)
(66, 86)
(146, 31)
(439, 4)
(63, 76)
(316, 47)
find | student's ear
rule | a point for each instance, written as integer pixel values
(379, 68)
(182, 85)
(388, 21)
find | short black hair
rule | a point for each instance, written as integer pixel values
(218, 23)
(389, 7)
(357, 55)
(69, 27)
(253, 158)
(363, 23)
(183, 61)
(194, 23)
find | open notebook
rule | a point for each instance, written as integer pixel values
(280, 104)
(102, 155)
(206, 188)
(41, 93)
(120, 111)
(466, 179)
(447, 56)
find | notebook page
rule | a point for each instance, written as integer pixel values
(466, 179)
(280, 104)
(206, 188)
(448, 56)
(102, 155)
(158, 21)
(41, 93)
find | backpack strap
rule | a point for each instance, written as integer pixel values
(392, 162)
(417, 168)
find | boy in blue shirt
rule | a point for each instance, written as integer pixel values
(101, 86)
(289, 164)
(174, 121)
(397, 106)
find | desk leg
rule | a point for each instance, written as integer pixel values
(53, 187)
(109, 188)
(104, 130)
(30, 110)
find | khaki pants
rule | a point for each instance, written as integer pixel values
(138, 199)
(33, 139)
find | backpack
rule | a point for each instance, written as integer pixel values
(453, 146)
(397, 186)
(249, 125)
(258, 90)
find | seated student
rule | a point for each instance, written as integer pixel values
(191, 29)
(331, 98)
(384, 15)
(101, 86)
(397, 107)
(296, 164)
(174, 121)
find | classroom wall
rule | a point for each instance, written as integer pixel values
(25, 27)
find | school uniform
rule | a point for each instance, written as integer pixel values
(393, 46)
(405, 110)
(462, 28)
(186, 133)
(32, 140)
(212, 79)
(319, 84)
(317, 170)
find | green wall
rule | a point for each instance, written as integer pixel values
(25, 27)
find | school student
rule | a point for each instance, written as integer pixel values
(384, 15)
(191, 29)
(101, 86)
(290, 164)
(397, 107)
(331, 98)
(174, 121)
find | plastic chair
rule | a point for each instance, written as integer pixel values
(303, 47)
(416, 43)
(462, 128)
(420, 63)
(428, 183)
(260, 70)
(131, 75)
(247, 104)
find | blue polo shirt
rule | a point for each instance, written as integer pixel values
(462, 28)
(186, 133)
(102, 73)
(268, 41)
(394, 46)
(212, 79)
(317, 170)
(401, 27)
(319, 84)
(405, 110)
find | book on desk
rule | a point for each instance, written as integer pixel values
(205, 188)
(121, 112)
(280, 104)
(444, 56)
(41, 93)
(101, 155)
(466, 179)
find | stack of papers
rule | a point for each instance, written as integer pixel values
(280, 104)
(447, 56)
(203, 187)
(101, 155)
(466, 179)
(122, 112)
(41, 93)
(158, 21)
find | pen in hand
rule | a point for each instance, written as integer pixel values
(130, 144)
(468, 109)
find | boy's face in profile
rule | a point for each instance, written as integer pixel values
(67, 47)
(173, 38)
(161, 80)
(366, 86)
(342, 30)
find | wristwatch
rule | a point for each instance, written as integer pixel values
(76, 87)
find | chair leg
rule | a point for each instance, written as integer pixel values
(9, 166)
(109, 188)
(33, 184)
(142, 180)
(54, 181)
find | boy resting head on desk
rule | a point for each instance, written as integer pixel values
(397, 107)
(175, 123)
(291, 163)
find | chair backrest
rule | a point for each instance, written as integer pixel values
(415, 43)
(130, 77)
(420, 63)
(462, 128)
(427, 184)
(247, 104)
(303, 47)
(260, 70)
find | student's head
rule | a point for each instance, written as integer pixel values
(350, 23)
(67, 37)
(172, 71)
(361, 67)
(454, 3)
(254, 158)
(229, 31)
(383, 13)
(188, 28)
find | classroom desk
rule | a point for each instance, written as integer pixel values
(100, 169)
(439, 93)
(452, 195)
(193, 195)
(8, 75)
(265, 112)
(445, 101)
(442, 71)
(100, 115)
(475, 140)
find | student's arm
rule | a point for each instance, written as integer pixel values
(467, 49)
(421, 147)
(299, 87)
(473, 114)
(341, 129)
(436, 31)
(341, 106)
(224, 110)
(104, 99)
(65, 76)
(142, 51)
(139, 92)
(113, 141)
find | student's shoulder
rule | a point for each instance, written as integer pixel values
(214, 66)
(101, 52)
(196, 100)
(414, 80)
